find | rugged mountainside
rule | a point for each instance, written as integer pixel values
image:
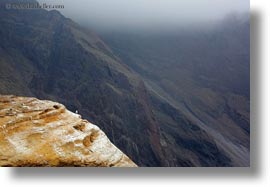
(45, 55)
(44, 133)
(200, 73)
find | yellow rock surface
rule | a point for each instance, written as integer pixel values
(44, 133)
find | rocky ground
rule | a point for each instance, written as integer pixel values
(45, 133)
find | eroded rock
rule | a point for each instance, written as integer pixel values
(45, 133)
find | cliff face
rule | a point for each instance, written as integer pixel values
(170, 100)
(45, 133)
(47, 56)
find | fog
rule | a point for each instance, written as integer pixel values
(120, 14)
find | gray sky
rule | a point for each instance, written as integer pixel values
(148, 13)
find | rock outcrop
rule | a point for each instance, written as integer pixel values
(44, 133)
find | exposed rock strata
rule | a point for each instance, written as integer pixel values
(45, 133)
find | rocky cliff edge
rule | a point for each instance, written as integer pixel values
(44, 133)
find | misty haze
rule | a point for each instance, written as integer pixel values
(165, 81)
(148, 14)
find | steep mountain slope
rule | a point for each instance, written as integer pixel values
(201, 74)
(46, 55)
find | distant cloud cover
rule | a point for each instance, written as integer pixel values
(147, 13)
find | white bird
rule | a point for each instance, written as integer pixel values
(76, 112)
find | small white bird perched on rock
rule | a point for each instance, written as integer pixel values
(76, 112)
